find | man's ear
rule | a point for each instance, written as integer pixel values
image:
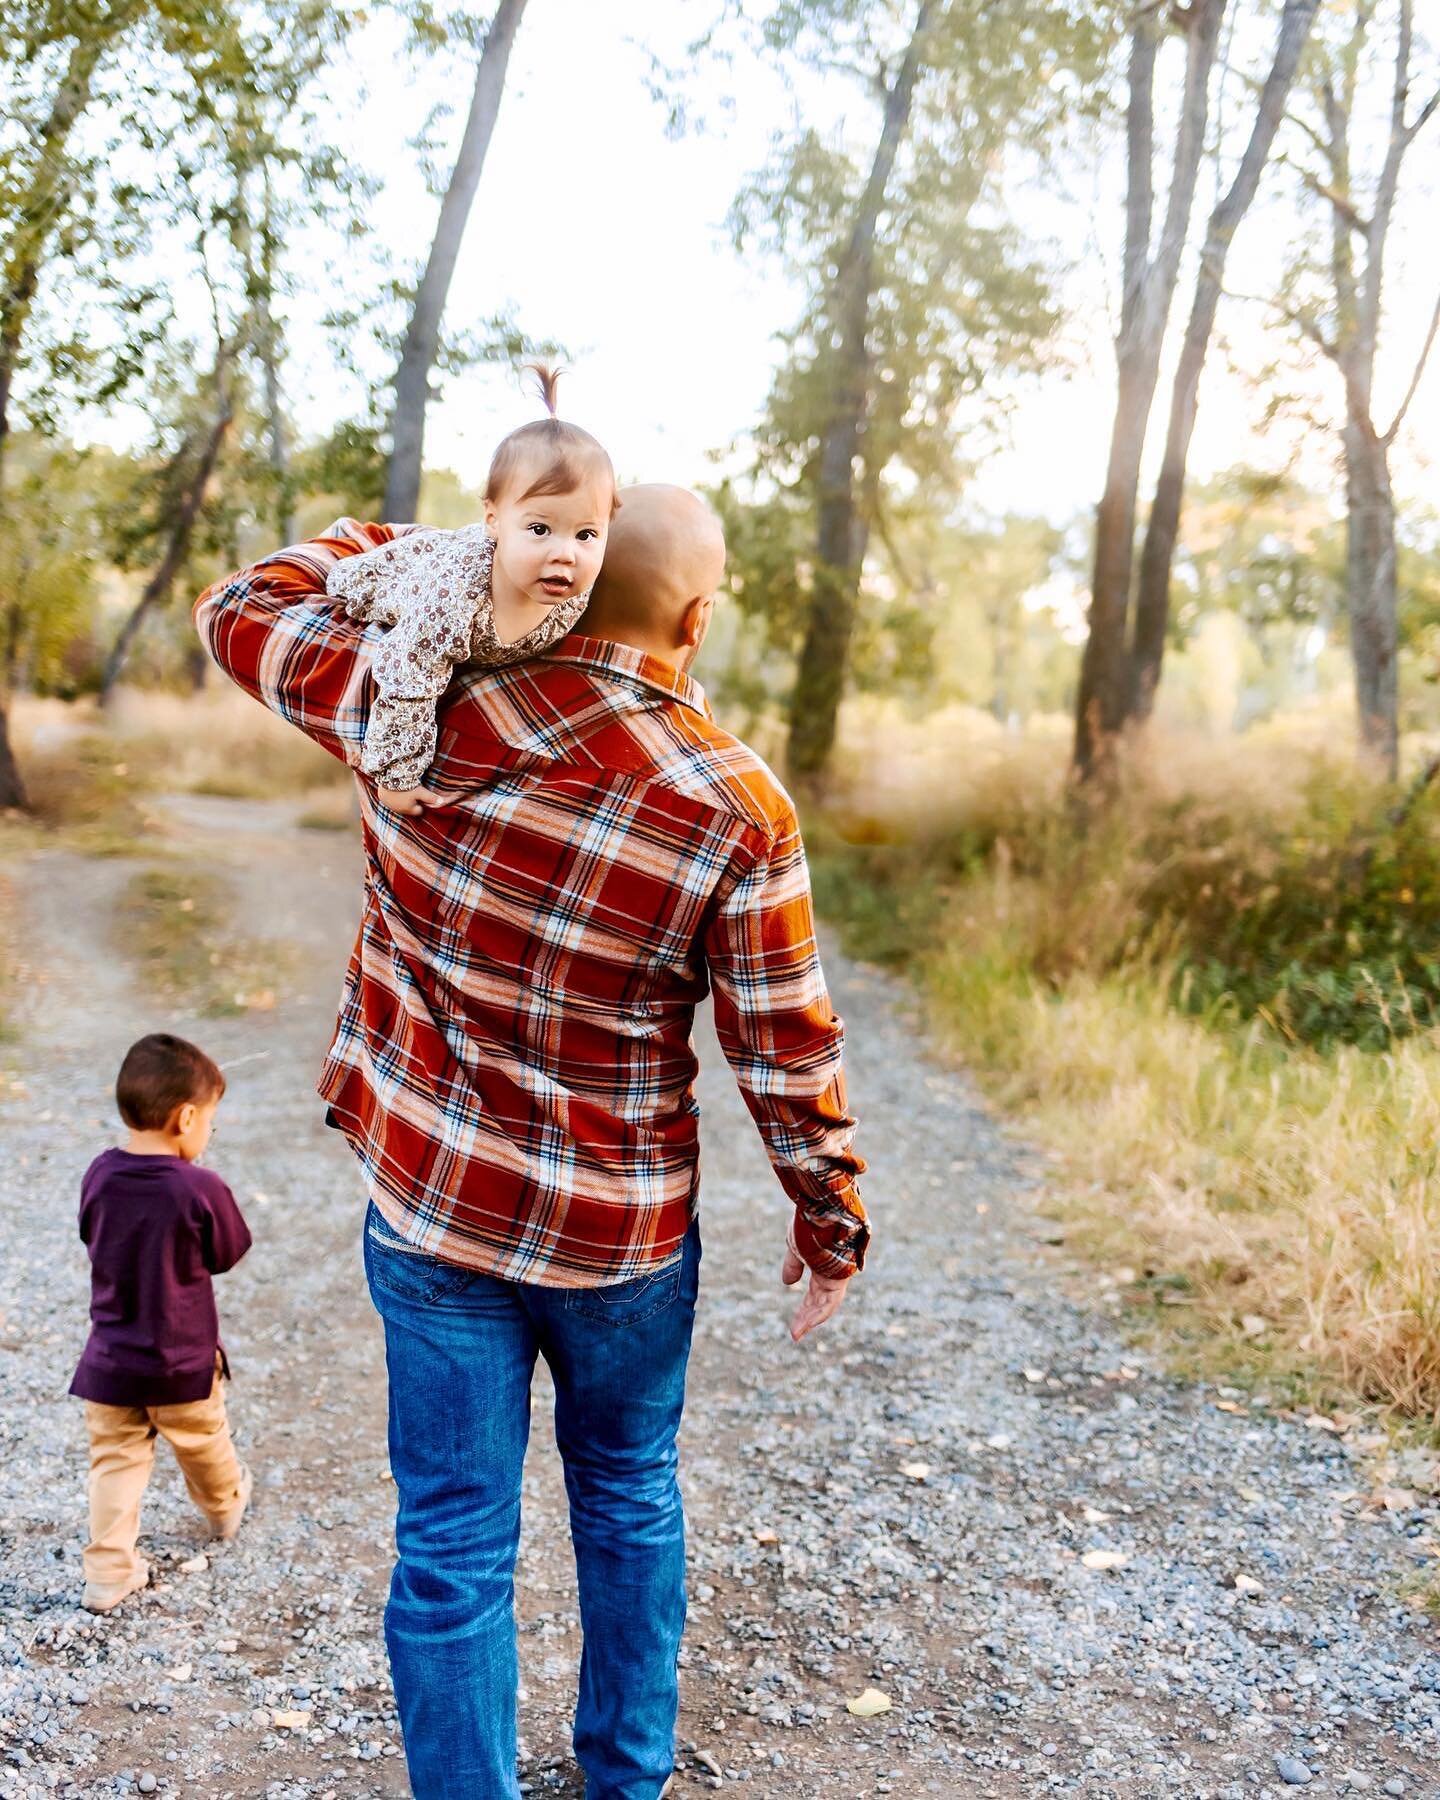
(695, 620)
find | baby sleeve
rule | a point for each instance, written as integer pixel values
(410, 586)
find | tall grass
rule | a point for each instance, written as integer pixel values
(1109, 984)
(92, 775)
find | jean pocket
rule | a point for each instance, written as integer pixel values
(628, 1302)
(403, 1268)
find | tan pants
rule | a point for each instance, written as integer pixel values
(122, 1454)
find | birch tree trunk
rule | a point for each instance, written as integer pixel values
(1152, 600)
(1149, 287)
(422, 337)
(840, 530)
(1358, 247)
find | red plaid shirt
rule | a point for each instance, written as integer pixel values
(513, 1063)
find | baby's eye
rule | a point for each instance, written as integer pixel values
(587, 532)
(539, 529)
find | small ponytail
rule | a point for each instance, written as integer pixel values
(547, 380)
(549, 455)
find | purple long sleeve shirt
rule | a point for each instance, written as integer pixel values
(157, 1228)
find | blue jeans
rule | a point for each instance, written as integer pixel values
(460, 1348)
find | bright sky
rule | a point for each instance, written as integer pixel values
(607, 235)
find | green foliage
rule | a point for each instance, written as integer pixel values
(1318, 915)
(1331, 932)
(51, 551)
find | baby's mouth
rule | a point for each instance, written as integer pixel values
(557, 586)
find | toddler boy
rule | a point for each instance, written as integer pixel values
(157, 1227)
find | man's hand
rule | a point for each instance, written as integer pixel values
(821, 1299)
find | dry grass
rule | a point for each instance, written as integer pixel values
(173, 924)
(1280, 1206)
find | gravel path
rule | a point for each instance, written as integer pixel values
(906, 1503)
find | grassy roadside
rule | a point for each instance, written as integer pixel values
(93, 778)
(173, 923)
(1269, 1203)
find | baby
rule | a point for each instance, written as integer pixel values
(488, 594)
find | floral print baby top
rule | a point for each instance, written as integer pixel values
(432, 588)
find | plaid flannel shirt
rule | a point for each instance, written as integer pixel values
(513, 1062)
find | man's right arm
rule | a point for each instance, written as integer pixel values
(273, 631)
(784, 1042)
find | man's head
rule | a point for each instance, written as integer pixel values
(663, 562)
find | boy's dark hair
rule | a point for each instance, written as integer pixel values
(159, 1074)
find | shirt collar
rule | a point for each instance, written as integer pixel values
(637, 665)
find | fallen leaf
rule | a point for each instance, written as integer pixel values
(1389, 1499)
(1254, 1325)
(917, 1471)
(292, 1721)
(868, 1705)
(1231, 1406)
(1104, 1559)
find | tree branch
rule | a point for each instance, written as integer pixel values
(1292, 316)
(1417, 377)
(1427, 112)
(1342, 204)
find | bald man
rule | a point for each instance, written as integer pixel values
(513, 1069)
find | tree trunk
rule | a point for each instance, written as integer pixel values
(1149, 287)
(12, 788)
(840, 532)
(422, 338)
(268, 335)
(158, 587)
(1152, 602)
(1371, 582)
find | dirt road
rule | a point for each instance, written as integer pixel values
(906, 1503)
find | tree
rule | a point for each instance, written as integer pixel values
(52, 54)
(1152, 598)
(1336, 300)
(421, 345)
(1150, 272)
(918, 293)
(182, 491)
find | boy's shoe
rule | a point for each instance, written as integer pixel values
(105, 1596)
(225, 1525)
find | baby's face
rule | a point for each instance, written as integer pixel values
(550, 547)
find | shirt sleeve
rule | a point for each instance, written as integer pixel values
(225, 1237)
(784, 1042)
(273, 631)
